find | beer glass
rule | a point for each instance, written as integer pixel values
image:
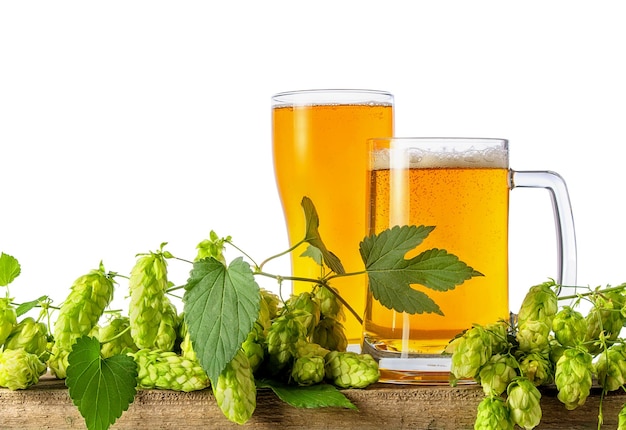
(319, 139)
(461, 187)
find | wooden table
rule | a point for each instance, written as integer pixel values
(381, 406)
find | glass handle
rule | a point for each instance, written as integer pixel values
(563, 218)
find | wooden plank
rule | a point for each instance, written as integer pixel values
(381, 406)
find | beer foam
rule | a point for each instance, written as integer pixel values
(417, 158)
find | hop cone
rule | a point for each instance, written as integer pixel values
(265, 316)
(533, 336)
(30, 335)
(310, 349)
(351, 370)
(539, 304)
(523, 402)
(186, 346)
(147, 284)
(89, 296)
(282, 338)
(116, 338)
(569, 327)
(272, 301)
(537, 367)
(308, 370)
(498, 337)
(253, 346)
(611, 367)
(167, 371)
(212, 247)
(497, 373)
(168, 327)
(8, 319)
(471, 352)
(556, 350)
(493, 413)
(19, 369)
(330, 334)
(621, 419)
(604, 319)
(235, 391)
(330, 306)
(573, 377)
(310, 310)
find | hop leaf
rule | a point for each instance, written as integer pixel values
(312, 396)
(9, 269)
(221, 305)
(102, 389)
(314, 239)
(391, 275)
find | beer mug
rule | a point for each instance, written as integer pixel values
(461, 187)
(319, 138)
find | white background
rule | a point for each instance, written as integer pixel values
(125, 124)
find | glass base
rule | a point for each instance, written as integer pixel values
(416, 369)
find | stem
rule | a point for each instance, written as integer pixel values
(592, 292)
(600, 414)
(183, 260)
(322, 282)
(242, 251)
(116, 336)
(288, 278)
(339, 275)
(279, 255)
(169, 290)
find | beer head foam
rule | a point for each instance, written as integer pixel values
(418, 158)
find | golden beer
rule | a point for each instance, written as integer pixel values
(467, 200)
(320, 151)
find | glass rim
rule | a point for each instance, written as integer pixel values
(331, 96)
(406, 141)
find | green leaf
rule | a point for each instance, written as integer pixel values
(391, 275)
(312, 396)
(9, 269)
(313, 236)
(102, 389)
(221, 305)
(314, 253)
(25, 307)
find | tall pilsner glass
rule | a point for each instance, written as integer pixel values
(319, 139)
